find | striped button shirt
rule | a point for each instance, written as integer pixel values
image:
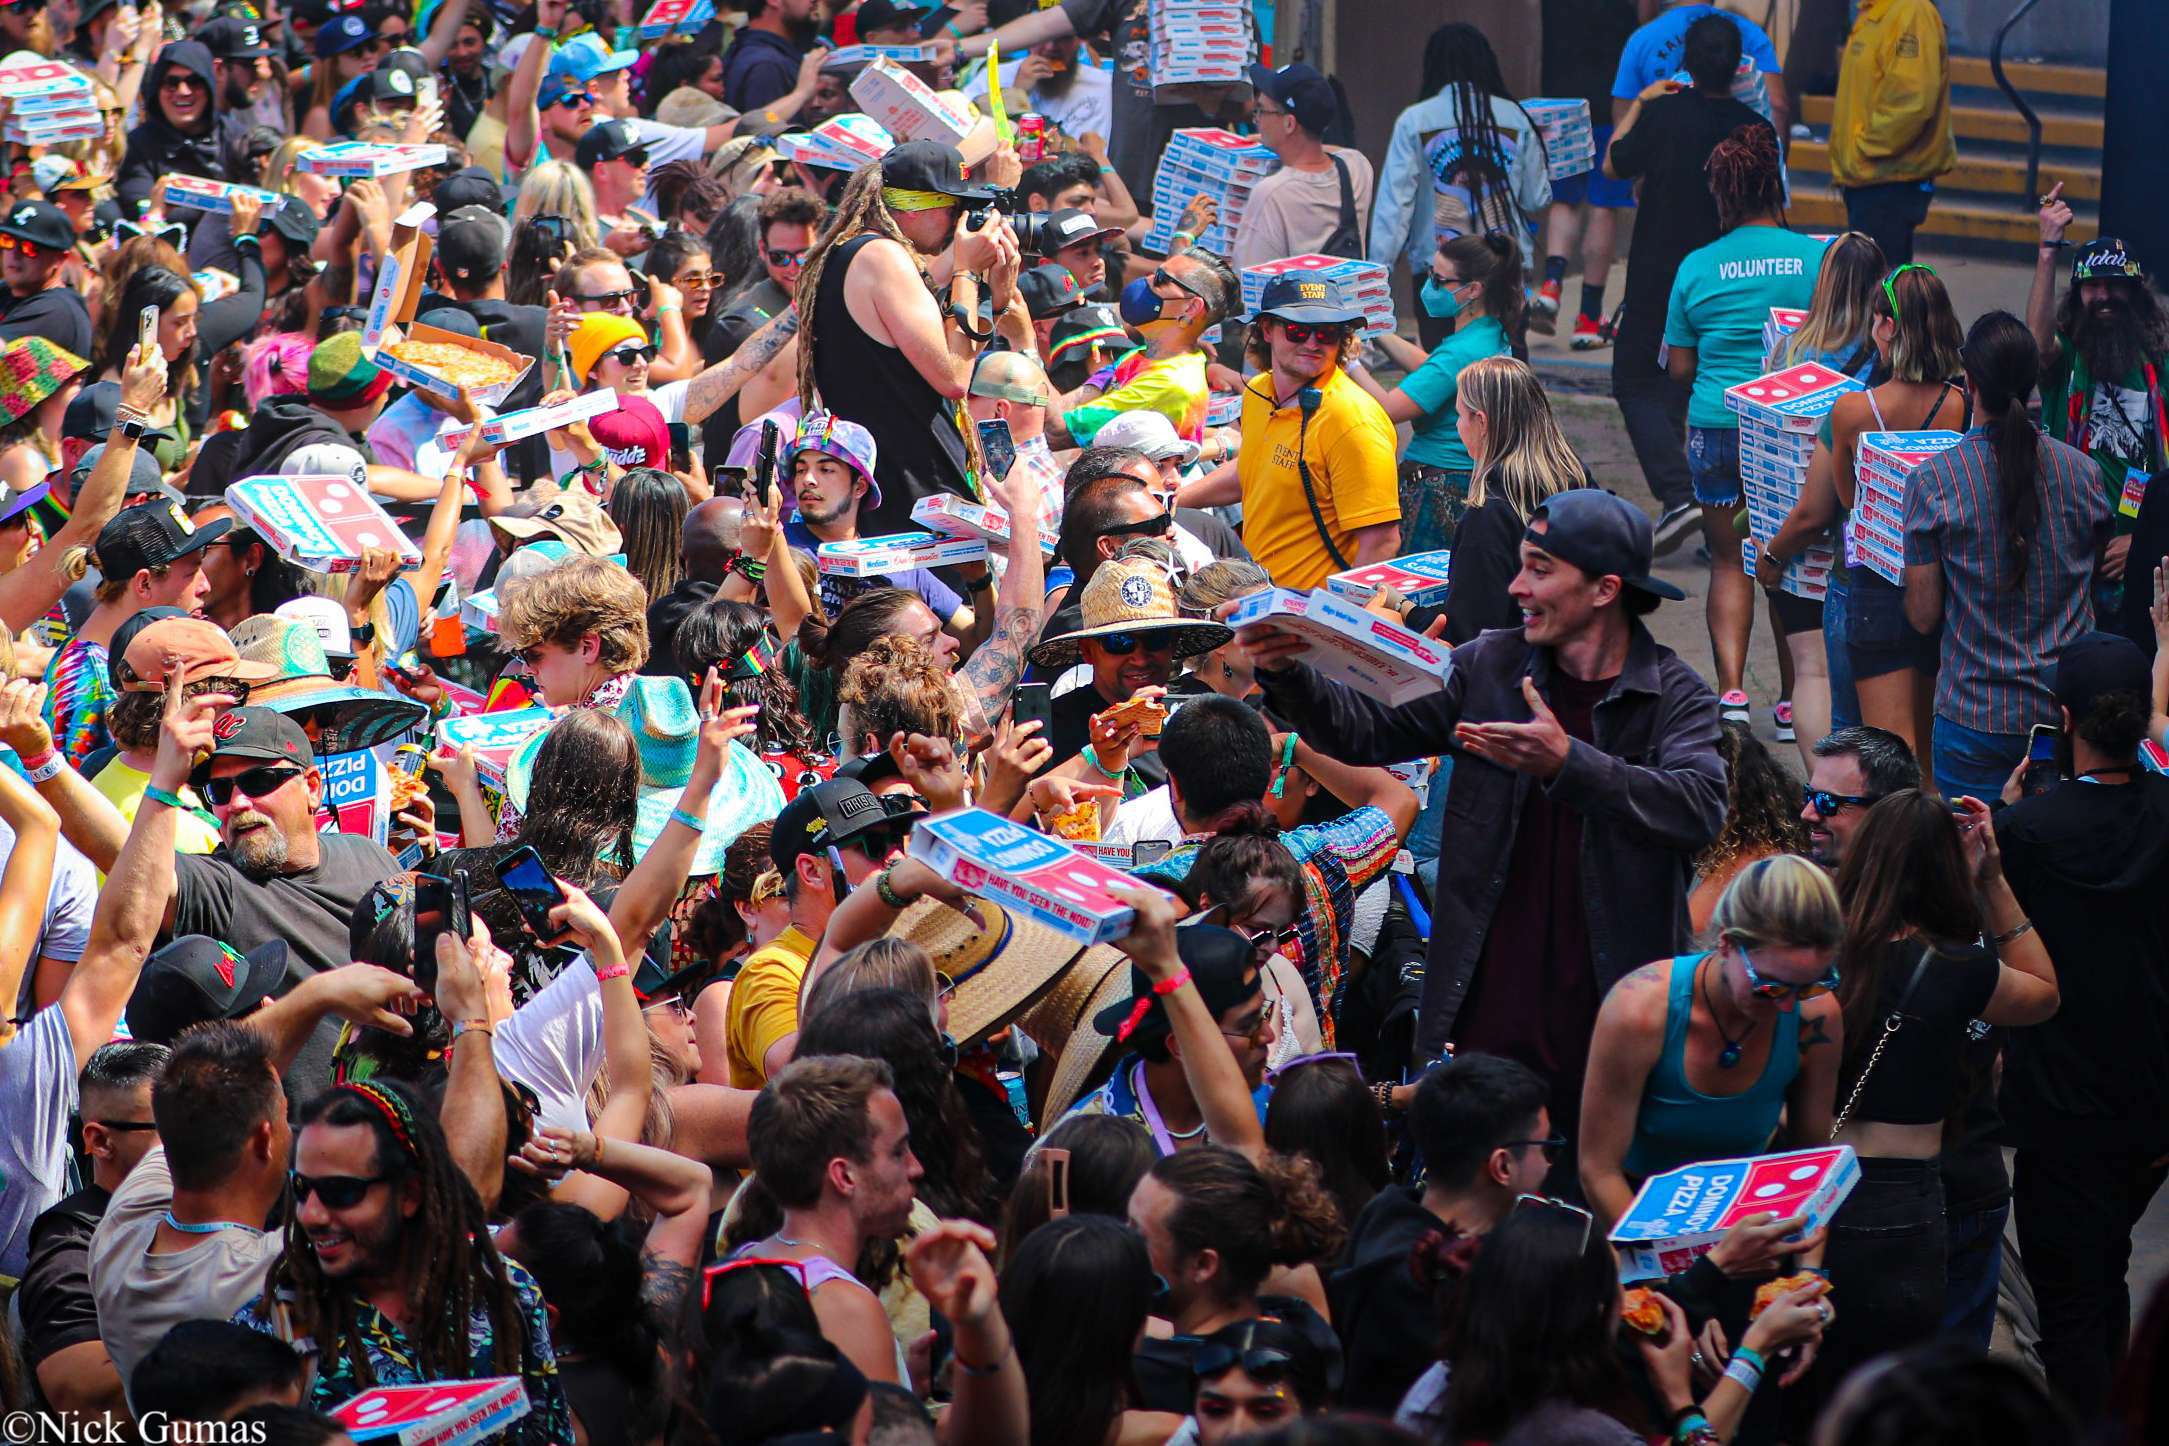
(2001, 632)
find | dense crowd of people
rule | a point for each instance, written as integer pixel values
(515, 939)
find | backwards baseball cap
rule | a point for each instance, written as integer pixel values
(174, 650)
(834, 811)
(587, 56)
(610, 140)
(196, 979)
(1311, 300)
(473, 186)
(1010, 376)
(262, 734)
(41, 223)
(1600, 533)
(1300, 91)
(472, 241)
(1221, 963)
(2106, 258)
(846, 441)
(634, 435)
(151, 535)
(2095, 664)
(90, 415)
(929, 166)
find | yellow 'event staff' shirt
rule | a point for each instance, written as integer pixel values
(1349, 444)
(764, 1005)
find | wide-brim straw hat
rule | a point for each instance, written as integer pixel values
(1131, 597)
(1061, 1024)
(999, 971)
(352, 718)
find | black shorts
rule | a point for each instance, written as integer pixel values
(1796, 614)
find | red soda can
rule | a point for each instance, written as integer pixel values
(1031, 137)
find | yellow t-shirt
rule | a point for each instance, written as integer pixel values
(486, 144)
(1349, 443)
(123, 788)
(764, 1005)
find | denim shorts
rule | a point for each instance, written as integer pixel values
(1879, 640)
(1713, 465)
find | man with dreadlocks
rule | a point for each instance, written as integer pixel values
(2104, 348)
(388, 1276)
(882, 347)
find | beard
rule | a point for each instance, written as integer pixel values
(261, 851)
(2109, 340)
(823, 517)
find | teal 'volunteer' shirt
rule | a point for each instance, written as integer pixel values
(1432, 386)
(1721, 296)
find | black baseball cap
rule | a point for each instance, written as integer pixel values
(834, 811)
(2095, 664)
(470, 187)
(116, 666)
(263, 734)
(472, 243)
(927, 165)
(1049, 290)
(39, 222)
(610, 141)
(296, 223)
(1600, 532)
(1311, 300)
(90, 415)
(196, 979)
(152, 534)
(232, 38)
(1222, 964)
(1070, 227)
(1093, 321)
(1301, 91)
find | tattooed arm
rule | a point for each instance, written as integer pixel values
(719, 383)
(997, 663)
(1813, 1099)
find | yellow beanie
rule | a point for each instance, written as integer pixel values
(598, 332)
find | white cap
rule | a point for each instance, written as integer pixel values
(528, 562)
(326, 459)
(508, 54)
(1147, 432)
(327, 616)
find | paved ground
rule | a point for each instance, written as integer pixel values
(1580, 389)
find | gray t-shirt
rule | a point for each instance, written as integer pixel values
(37, 1094)
(64, 932)
(141, 1296)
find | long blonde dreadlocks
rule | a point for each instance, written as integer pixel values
(446, 1257)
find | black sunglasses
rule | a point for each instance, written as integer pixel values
(785, 258)
(1827, 804)
(604, 298)
(1553, 1146)
(1260, 1363)
(1121, 645)
(628, 354)
(1165, 277)
(338, 1192)
(1159, 526)
(255, 782)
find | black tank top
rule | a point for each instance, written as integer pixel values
(921, 450)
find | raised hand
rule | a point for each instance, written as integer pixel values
(2056, 216)
(22, 718)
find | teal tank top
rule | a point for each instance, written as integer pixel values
(1678, 1124)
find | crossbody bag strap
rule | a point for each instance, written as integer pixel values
(1892, 1023)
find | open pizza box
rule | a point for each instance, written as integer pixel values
(391, 327)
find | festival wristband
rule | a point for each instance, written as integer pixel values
(1172, 983)
(613, 971)
(1749, 1377)
(159, 795)
(1753, 1358)
(691, 821)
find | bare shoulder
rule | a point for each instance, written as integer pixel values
(1641, 996)
(1822, 1024)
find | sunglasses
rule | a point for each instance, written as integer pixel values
(722, 1268)
(1553, 1146)
(1763, 988)
(627, 355)
(338, 1192)
(637, 157)
(603, 298)
(1827, 804)
(1121, 645)
(1890, 292)
(1271, 941)
(171, 232)
(1165, 277)
(695, 281)
(31, 250)
(1302, 333)
(1260, 1363)
(1301, 1060)
(786, 258)
(1551, 1202)
(574, 100)
(182, 80)
(676, 1004)
(254, 782)
(1159, 526)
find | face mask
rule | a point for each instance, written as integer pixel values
(1140, 307)
(1439, 299)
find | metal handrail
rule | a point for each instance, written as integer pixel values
(2026, 200)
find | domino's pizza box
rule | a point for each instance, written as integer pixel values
(435, 1413)
(478, 611)
(954, 516)
(355, 159)
(2153, 757)
(842, 142)
(1349, 645)
(675, 17)
(215, 195)
(1782, 322)
(1801, 577)
(532, 421)
(321, 523)
(495, 737)
(45, 78)
(1223, 409)
(1420, 577)
(1795, 399)
(46, 130)
(1898, 453)
(850, 57)
(1160, 238)
(1223, 153)
(357, 796)
(898, 552)
(908, 108)
(1024, 869)
(1678, 1215)
(401, 280)
(81, 101)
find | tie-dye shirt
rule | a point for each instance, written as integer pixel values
(79, 694)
